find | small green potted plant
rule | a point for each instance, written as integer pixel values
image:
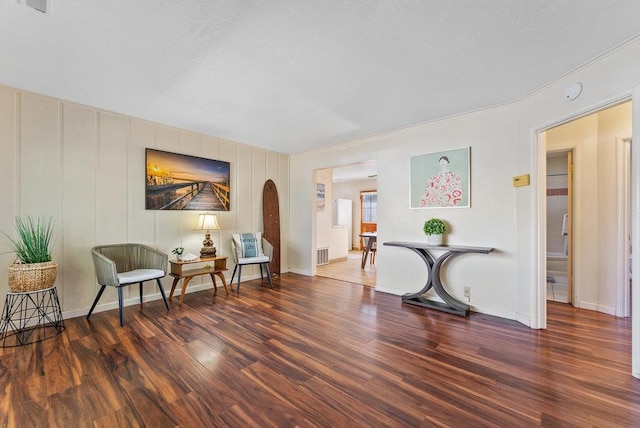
(32, 269)
(434, 228)
(178, 252)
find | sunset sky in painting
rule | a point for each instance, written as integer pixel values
(188, 167)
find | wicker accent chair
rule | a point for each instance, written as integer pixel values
(119, 265)
(262, 258)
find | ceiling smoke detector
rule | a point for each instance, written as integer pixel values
(573, 91)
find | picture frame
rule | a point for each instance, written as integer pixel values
(320, 196)
(176, 181)
(441, 179)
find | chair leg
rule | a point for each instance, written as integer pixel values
(239, 275)
(140, 294)
(120, 305)
(233, 274)
(96, 301)
(261, 274)
(162, 292)
(268, 274)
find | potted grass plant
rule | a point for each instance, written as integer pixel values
(434, 228)
(32, 268)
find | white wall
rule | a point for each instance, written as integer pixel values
(489, 222)
(328, 236)
(503, 144)
(612, 124)
(324, 217)
(85, 167)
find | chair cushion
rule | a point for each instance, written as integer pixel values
(139, 275)
(252, 260)
(248, 245)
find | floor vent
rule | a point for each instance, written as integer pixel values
(322, 257)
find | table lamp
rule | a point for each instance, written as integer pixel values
(207, 222)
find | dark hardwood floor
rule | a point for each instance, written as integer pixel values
(321, 352)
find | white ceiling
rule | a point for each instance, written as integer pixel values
(288, 75)
(358, 171)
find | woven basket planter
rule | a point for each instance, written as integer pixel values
(31, 276)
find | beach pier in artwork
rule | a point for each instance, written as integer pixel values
(201, 196)
(211, 196)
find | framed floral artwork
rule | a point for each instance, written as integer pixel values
(441, 179)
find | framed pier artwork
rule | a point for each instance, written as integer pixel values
(181, 182)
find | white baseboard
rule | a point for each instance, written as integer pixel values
(101, 307)
(598, 308)
(523, 320)
(474, 308)
(390, 290)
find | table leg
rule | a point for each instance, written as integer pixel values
(428, 260)
(456, 306)
(451, 304)
(367, 248)
(173, 287)
(185, 281)
(215, 286)
(224, 282)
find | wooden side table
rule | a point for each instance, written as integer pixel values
(214, 267)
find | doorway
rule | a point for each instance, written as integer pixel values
(348, 184)
(559, 226)
(368, 214)
(598, 230)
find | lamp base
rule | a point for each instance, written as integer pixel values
(207, 252)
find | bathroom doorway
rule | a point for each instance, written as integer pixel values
(559, 226)
(594, 234)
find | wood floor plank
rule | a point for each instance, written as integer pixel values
(321, 352)
(192, 409)
(280, 386)
(79, 405)
(142, 397)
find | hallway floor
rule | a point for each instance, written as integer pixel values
(557, 292)
(350, 270)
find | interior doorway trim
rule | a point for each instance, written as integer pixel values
(623, 164)
(539, 304)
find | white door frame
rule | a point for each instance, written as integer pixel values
(623, 163)
(539, 303)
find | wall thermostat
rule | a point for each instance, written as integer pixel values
(521, 180)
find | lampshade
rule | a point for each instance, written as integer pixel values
(207, 222)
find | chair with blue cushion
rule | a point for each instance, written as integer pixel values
(251, 249)
(119, 265)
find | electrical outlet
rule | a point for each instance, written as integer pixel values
(467, 293)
